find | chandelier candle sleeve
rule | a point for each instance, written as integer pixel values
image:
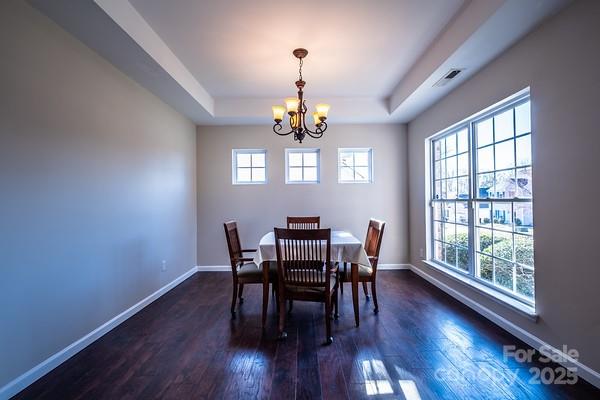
(297, 109)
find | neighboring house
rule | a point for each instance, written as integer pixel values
(508, 187)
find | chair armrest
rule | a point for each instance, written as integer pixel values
(249, 251)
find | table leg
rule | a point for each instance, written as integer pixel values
(265, 301)
(354, 275)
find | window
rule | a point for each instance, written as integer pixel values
(481, 205)
(302, 165)
(355, 165)
(249, 166)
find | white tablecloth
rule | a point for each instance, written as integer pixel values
(344, 248)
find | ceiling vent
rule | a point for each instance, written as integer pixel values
(448, 77)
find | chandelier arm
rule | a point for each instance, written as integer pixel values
(317, 133)
(314, 135)
(278, 127)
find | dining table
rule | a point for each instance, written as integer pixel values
(345, 248)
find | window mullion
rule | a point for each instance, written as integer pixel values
(471, 204)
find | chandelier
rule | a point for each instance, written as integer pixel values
(296, 109)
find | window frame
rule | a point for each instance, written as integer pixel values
(354, 150)
(303, 150)
(234, 166)
(498, 292)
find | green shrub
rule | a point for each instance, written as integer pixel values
(504, 275)
(459, 256)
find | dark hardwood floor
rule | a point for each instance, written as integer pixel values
(422, 344)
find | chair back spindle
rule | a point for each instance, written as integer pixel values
(303, 256)
(303, 222)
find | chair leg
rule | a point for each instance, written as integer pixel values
(364, 284)
(329, 338)
(343, 278)
(291, 306)
(265, 304)
(233, 300)
(240, 291)
(355, 294)
(281, 326)
(374, 292)
(336, 315)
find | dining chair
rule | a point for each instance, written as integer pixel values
(303, 222)
(367, 273)
(244, 270)
(305, 272)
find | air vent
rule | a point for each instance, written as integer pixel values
(448, 77)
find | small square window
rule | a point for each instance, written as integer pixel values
(249, 166)
(302, 165)
(355, 165)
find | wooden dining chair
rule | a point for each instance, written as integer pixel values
(244, 270)
(305, 272)
(303, 222)
(368, 273)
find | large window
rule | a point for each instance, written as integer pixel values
(302, 165)
(249, 166)
(355, 165)
(482, 219)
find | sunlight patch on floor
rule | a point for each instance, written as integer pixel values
(376, 378)
(409, 389)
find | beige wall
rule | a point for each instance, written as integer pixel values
(560, 62)
(259, 208)
(97, 181)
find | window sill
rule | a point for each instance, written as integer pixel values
(499, 297)
(357, 182)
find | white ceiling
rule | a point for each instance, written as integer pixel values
(228, 61)
(357, 48)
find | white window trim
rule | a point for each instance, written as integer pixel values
(287, 167)
(350, 150)
(466, 277)
(234, 153)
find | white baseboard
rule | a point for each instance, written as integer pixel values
(583, 370)
(35, 373)
(214, 268)
(227, 268)
(383, 267)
